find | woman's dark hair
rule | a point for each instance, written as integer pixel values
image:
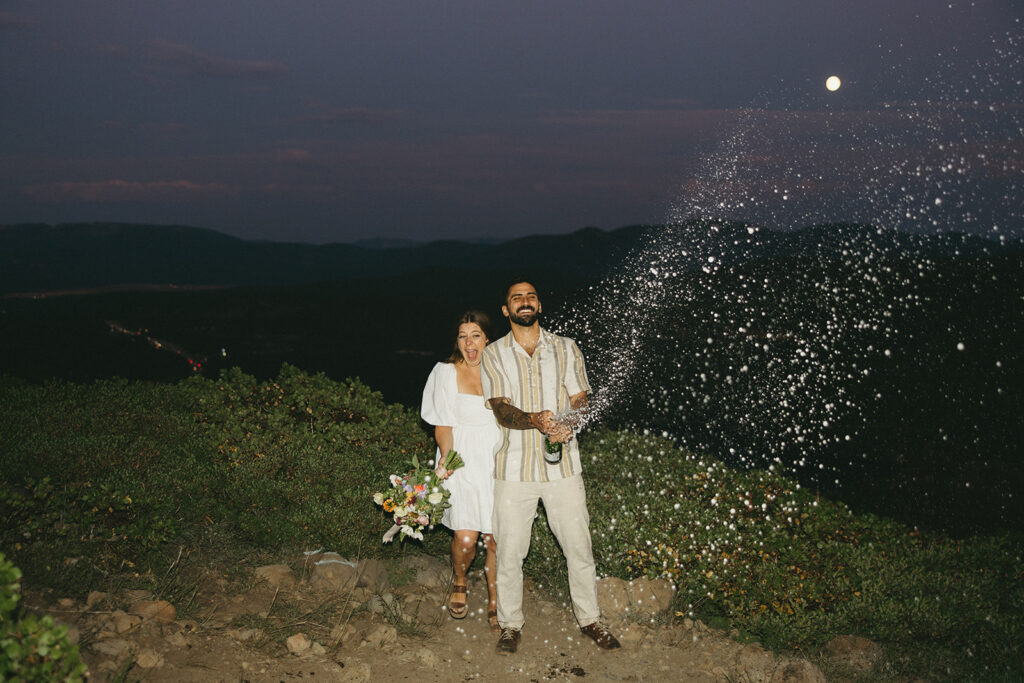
(477, 317)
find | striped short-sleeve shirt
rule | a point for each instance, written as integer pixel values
(544, 381)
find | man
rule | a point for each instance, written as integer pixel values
(530, 376)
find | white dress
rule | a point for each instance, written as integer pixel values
(475, 436)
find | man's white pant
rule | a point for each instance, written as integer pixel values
(515, 508)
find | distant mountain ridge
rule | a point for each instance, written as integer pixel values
(48, 258)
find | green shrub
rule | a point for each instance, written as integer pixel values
(754, 550)
(116, 473)
(32, 649)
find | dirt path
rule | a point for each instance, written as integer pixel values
(256, 631)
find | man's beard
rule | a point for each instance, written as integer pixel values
(526, 319)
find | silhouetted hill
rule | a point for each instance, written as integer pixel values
(40, 258)
(45, 258)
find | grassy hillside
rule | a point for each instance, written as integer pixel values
(110, 481)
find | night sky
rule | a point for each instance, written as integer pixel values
(334, 121)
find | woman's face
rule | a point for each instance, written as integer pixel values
(472, 341)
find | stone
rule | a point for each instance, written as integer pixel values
(428, 658)
(343, 633)
(245, 634)
(333, 574)
(355, 672)
(382, 635)
(115, 647)
(177, 640)
(66, 603)
(121, 622)
(384, 604)
(431, 578)
(159, 611)
(317, 649)
(637, 599)
(373, 575)
(297, 644)
(855, 652)
(94, 598)
(149, 659)
(754, 664)
(631, 635)
(797, 671)
(277, 575)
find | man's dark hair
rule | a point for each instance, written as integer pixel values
(481, 319)
(513, 283)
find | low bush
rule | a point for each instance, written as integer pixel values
(753, 550)
(107, 478)
(32, 649)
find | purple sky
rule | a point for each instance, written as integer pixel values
(335, 120)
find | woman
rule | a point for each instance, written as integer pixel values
(453, 402)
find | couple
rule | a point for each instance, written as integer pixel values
(494, 405)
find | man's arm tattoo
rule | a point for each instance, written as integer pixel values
(509, 416)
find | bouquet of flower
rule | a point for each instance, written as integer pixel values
(416, 499)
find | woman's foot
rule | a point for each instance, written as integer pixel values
(457, 607)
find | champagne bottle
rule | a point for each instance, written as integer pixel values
(552, 451)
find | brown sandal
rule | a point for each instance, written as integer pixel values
(458, 611)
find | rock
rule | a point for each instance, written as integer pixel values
(384, 604)
(317, 649)
(855, 652)
(631, 635)
(277, 575)
(431, 578)
(343, 633)
(159, 611)
(637, 599)
(245, 634)
(333, 573)
(428, 658)
(754, 664)
(94, 598)
(298, 643)
(177, 640)
(149, 659)
(613, 598)
(373, 575)
(382, 635)
(356, 672)
(66, 603)
(797, 671)
(121, 622)
(115, 647)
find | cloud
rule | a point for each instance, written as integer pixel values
(9, 20)
(350, 115)
(186, 60)
(128, 191)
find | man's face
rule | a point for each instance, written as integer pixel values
(522, 305)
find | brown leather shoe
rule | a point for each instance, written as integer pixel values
(508, 641)
(601, 635)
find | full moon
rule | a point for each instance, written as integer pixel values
(833, 83)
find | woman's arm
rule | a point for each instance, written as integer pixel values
(445, 440)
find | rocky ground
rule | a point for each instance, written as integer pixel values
(321, 617)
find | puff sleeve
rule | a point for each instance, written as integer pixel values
(438, 404)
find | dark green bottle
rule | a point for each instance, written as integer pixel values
(552, 451)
